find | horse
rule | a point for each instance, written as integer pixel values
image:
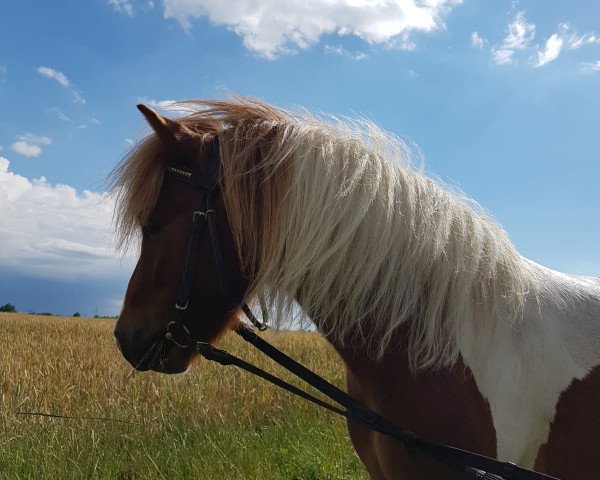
(442, 325)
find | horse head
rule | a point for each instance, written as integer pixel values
(179, 153)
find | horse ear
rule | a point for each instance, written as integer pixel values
(165, 128)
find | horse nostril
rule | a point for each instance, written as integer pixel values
(132, 343)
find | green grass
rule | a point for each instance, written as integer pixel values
(212, 423)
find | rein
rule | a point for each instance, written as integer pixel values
(472, 465)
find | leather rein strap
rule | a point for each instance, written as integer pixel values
(472, 465)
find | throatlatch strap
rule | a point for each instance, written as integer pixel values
(222, 272)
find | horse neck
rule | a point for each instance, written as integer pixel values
(430, 402)
(510, 380)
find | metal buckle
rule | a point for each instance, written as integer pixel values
(180, 307)
(169, 334)
(179, 171)
(198, 214)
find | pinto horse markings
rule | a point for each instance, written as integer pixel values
(444, 328)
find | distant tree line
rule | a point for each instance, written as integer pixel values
(10, 308)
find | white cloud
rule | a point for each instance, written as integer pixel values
(61, 78)
(25, 149)
(575, 42)
(78, 97)
(123, 6)
(591, 66)
(551, 50)
(29, 144)
(53, 231)
(273, 27)
(129, 7)
(37, 139)
(519, 36)
(91, 122)
(563, 39)
(60, 114)
(477, 41)
(55, 75)
(3, 75)
(338, 50)
(158, 104)
(163, 105)
(403, 42)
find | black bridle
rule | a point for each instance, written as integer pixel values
(472, 465)
(204, 215)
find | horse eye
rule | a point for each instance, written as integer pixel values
(150, 230)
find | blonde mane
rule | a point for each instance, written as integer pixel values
(333, 213)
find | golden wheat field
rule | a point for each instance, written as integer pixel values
(212, 422)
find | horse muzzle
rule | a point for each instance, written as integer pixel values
(152, 353)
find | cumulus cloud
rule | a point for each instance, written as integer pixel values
(28, 144)
(53, 231)
(23, 148)
(61, 78)
(273, 27)
(519, 35)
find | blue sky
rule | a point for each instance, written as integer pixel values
(503, 99)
